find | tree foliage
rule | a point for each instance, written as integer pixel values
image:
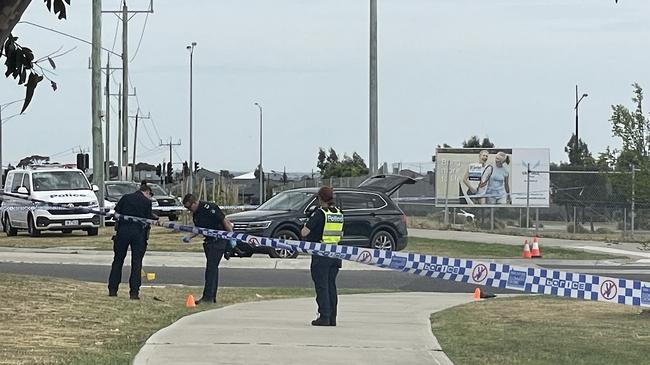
(19, 61)
(33, 160)
(476, 142)
(331, 166)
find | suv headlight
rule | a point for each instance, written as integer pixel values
(259, 225)
(93, 204)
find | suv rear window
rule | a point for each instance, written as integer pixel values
(352, 201)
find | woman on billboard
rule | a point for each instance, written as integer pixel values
(498, 188)
(477, 178)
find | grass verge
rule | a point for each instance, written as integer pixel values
(163, 239)
(57, 321)
(543, 330)
(494, 250)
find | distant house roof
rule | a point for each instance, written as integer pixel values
(207, 174)
(246, 176)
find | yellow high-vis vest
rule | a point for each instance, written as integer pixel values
(333, 230)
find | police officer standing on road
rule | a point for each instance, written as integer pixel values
(325, 225)
(131, 233)
(209, 215)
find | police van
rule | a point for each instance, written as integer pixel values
(28, 192)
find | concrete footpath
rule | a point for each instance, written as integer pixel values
(629, 249)
(391, 328)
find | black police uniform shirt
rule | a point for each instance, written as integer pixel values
(316, 225)
(209, 215)
(136, 205)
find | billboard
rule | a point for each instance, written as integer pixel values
(492, 177)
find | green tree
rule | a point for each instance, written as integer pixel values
(33, 160)
(631, 127)
(332, 166)
(580, 157)
(476, 142)
(322, 160)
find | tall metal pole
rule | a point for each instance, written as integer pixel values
(107, 157)
(633, 213)
(96, 86)
(119, 132)
(125, 87)
(577, 102)
(261, 171)
(373, 159)
(577, 144)
(447, 197)
(528, 196)
(191, 177)
(135, 141)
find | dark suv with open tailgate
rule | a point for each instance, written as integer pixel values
(372, 219)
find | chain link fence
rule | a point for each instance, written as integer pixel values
(585, 203)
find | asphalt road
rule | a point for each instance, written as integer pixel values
(353, 279)
(251, 277)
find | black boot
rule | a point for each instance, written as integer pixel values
(321, 321)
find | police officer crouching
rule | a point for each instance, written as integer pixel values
(209, 215)
(131, 233)
(325, 225)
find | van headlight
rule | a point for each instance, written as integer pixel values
(259, 225)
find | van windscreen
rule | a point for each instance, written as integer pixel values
(59, 180)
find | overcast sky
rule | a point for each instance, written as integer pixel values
(448, 69)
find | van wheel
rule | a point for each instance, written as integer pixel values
(9, 229)
(383, 240)
(31, 227)
(281, 253)
(93, 231)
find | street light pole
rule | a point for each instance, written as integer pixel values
(576, 109)
(191, 49)
(261, 173)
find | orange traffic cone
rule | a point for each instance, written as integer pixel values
(527, 254)
(477, 294)
(189, 303)
(535, 252)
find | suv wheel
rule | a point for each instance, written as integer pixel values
(281, 253)
(31, 227)
(383, 240)
(93, 231)
(9, 229)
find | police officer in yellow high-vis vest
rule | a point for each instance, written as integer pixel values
(325, 225)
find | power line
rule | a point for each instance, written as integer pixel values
(155, 128)
(146, 130)
(117, 28)
(141, 36)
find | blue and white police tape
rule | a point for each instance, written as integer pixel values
(503, 276)
(525, 279)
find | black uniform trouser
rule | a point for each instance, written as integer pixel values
(214, 250)
(134, 236)
(323, 272)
